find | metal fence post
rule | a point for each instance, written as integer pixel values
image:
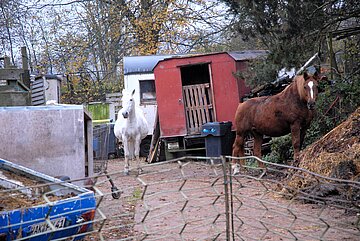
(228, 201)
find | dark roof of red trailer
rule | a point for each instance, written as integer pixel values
(247, 54)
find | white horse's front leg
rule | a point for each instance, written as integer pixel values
(126, 155)
(137, 151)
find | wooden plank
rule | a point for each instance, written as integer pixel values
(192, 116)
(207, 102)
(188, 113)
(38, 98)
(37, 84)
(209, 109)
(202, 103)
(37, 90)
(206, 105)
(39, 102)
(187, 110)
(212, 113)
(38, 93)
(112, 95)
(196, 108)
(114, 98)
(211, 95)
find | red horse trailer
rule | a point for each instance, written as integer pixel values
(196, 89)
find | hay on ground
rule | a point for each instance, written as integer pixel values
(335, 155)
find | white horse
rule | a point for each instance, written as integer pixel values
(130, 128)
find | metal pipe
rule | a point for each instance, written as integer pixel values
(24, 58)
(307, 64)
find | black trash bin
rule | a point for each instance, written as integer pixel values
(218, 138)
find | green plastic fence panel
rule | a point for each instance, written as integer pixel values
(99, 111)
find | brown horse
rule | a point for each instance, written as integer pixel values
(289, 111)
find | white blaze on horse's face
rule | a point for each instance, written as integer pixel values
(313, 93)
(311, 85)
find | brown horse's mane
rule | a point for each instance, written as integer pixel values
(299, 82)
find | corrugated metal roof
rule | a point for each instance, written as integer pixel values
(142, 64)
(146, 64)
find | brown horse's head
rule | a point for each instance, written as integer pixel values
(308, 88)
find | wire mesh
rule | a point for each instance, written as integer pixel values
(176, 200)
(275, 204)
(197, 198)
(100, 144)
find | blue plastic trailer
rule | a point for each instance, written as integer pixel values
(67, 211)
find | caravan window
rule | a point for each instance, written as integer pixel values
(147, 91)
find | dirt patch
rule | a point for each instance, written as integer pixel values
(28, 192)
(21, 179)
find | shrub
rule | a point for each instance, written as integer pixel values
(281, 149)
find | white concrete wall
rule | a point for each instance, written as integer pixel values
(131, 82)
(48, 139)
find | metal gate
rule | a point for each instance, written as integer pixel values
(198, 106)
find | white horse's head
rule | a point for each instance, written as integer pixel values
(128, 103)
